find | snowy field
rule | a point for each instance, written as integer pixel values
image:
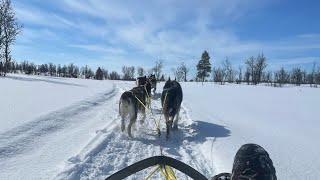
(57, 128)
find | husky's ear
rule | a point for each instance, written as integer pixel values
(169, 79)
(175, 79)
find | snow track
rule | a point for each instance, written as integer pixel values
(53, 137)
(111, 150)
(21, 139)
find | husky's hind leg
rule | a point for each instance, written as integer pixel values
(133, 118)
(123, 112)
(169, 127)
(175, 123)
(143, 112)
(155, 88)
(123, 117)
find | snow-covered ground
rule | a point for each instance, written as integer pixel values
(56, 128)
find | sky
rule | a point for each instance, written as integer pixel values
(112, 34)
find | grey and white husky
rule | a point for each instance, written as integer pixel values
(153, 81)
(171, 100)
(130, 105)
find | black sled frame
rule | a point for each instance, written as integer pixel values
(157, 160)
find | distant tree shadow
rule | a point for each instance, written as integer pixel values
(198, 132)
(184, 139)
(204, 130)
(156, 96)
(43, 80)
(157, 111)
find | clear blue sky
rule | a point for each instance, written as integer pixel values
(116, 33)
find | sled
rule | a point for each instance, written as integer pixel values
(162, 161)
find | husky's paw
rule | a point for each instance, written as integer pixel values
(168, 137)
(175, 127)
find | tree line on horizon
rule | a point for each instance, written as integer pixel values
(50, 69)
(254, 73)
(73, 71)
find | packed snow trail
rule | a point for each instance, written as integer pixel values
(112, 150)
(50, 139)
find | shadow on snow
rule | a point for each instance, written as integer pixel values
(198, 132)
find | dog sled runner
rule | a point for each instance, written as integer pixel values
(164, 163)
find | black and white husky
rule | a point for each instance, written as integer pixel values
(171, 99)
(153, 81)
(131, 103)
(140, 81)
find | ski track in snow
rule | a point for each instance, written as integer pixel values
(23, 138)
(111, 150)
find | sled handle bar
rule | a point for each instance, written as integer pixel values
(157, 160)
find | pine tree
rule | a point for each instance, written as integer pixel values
(59, 70)
(204, 66)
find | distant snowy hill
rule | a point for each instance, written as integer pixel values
(58, 128)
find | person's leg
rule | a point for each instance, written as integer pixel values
(251, 162)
